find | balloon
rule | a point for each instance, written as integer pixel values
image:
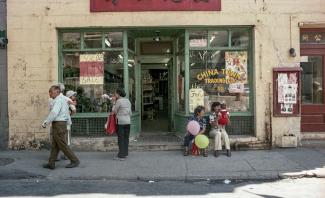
(193, 127)
(202, 141)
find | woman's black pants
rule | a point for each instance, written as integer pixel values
(123, 134)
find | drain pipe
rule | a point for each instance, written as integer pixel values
(270, 116)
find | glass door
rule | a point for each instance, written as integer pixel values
(312, 93)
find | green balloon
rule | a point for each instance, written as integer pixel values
(202, 141)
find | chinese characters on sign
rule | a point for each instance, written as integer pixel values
(91, 69)
(154, 5)
(312, 38)
(196, 98)
(233, 78)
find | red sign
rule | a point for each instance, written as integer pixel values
(154, 5)
(91, 69)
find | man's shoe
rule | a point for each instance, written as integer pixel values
(51, 167)
(73, 164)
(216, 153)
(228, 153)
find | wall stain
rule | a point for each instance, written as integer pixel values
(21, 65)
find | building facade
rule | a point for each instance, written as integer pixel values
(168, 62)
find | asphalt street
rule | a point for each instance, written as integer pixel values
(286, 188)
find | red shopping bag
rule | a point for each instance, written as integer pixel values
(195, 149)
(111, 124)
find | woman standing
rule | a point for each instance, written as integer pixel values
(122, 109)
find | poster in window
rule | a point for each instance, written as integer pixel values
(92, 69)
(236, 70)
(287, 88)
(196, 98)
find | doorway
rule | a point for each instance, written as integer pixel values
(155, 98)
(312, 80)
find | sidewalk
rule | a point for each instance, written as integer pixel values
(169, 165)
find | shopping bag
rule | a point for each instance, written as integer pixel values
(111, 124)
(195, 149)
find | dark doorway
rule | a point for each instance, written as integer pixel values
(155, 99)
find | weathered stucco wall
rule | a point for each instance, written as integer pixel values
(33, 53)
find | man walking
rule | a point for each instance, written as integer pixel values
(59, 117)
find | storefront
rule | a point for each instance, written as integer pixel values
(169, 57)
(216, 61)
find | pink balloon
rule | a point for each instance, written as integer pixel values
(193, 127)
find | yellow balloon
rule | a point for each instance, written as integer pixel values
(201, 141)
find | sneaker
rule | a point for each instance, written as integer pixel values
(48, 166)
(73, 164)
(63, 157)
(228, 153)
(119, 158)
(186, 152)
(205, 153)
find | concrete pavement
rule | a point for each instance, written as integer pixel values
(169, 165)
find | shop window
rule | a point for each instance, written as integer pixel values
(239, 38)
(198, 39)
(93, 79)
(92, 40)
(218, 39)
(223, 76)
(71, 40)
(114, 40)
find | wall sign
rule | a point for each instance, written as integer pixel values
(196, 98)
(154, 5)
(91, 69)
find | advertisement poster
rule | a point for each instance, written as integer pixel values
(92, 69)
(236, 62)
(287, 91)
(196, 98)
(287, 108)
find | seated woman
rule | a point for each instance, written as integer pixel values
(199, 117)
(218, 127)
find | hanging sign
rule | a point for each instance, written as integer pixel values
(91, 69)
(196, 98)
(154, 5)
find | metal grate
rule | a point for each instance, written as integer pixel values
(241, 125)
(88, 127)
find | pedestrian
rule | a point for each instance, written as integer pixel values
(198, 116)
(72, 102)
(219, 119)
(59, 117)
(122, 109)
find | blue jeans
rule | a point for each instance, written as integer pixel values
(188, 139)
